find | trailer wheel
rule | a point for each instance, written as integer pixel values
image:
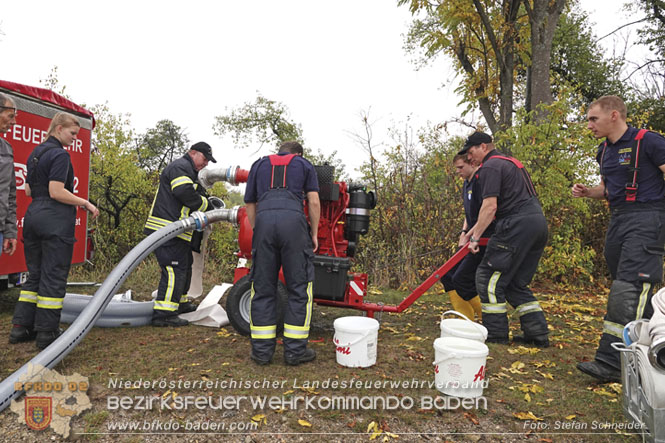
(237, 305)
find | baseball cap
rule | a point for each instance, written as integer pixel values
(204, 148)
(475, 139)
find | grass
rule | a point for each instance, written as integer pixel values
(531, 392)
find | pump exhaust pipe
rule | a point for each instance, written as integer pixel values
(59, 349)
(232, 175)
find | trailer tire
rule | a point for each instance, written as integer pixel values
(237, 305)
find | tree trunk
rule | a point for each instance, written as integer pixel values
(543, 18)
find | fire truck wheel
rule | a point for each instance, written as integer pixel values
(237, 305)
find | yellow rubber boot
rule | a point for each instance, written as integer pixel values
(460, 305)
(475, 302)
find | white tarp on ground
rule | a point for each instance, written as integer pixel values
(198, 263)
(209, 312)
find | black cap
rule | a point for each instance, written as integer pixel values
(475, 139)
(205, 149)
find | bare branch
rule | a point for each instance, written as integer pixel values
(650, 62)
(621, 27)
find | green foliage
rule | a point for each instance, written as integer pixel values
(234, 198)
(264, 121)
(415, 226)
(481, 46)
(648, 112)
(320, 158)
(222, 244)
(160, 145)
(118, 186)
(578, 59)
(652, 32)
(559, 152)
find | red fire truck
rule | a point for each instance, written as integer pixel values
(36, 107)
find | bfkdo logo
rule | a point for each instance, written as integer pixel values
(38, 412)
(50, 399)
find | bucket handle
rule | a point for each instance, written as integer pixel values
(447, 357)
(476, 325)
(357, 340)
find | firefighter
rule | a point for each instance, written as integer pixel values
(515, 248)
(632, 163)
(48, 234)
(8, 227)
(276, 187)
(460, 282)
(176, 196)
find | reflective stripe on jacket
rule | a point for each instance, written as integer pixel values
(176, 196)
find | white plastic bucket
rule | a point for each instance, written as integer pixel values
(459, 366)
(456, 327)
(356, 341)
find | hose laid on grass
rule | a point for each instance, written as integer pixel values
(64, 344)
(118, 313)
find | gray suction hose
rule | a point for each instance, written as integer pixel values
(64, 344)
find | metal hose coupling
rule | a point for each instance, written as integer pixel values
(657, 354)
(232, 175)
(200, 220)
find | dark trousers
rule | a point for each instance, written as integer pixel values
(462, 278)
(48, 240)
(634, 253)
(506, 270)
(281, 239)
(175, 260)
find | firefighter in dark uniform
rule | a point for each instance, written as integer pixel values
(515, 248)
(632, 163)
(276, 187)
(176, 197)
(48, 234)
(460, 282)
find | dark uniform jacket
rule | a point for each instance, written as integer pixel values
(176, 196)
(614, 159)
(473, 200)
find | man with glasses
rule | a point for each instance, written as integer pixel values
(176, 197)
(8, 229)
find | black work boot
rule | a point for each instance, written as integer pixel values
(539, 341)
(260, 361)
(600, 371)
(173, 320)
(294, 360)
(45, 338)
(20, 334)
(184, 308)
(497, 339)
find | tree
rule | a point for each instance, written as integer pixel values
(647, 76)
(118, 185)
(264, 121)
(579, 62)
(543, 20)
(490, 42)
(365, 140)
(160, 145)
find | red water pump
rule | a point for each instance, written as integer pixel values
(345, 216)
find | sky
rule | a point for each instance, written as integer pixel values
(192, 61)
